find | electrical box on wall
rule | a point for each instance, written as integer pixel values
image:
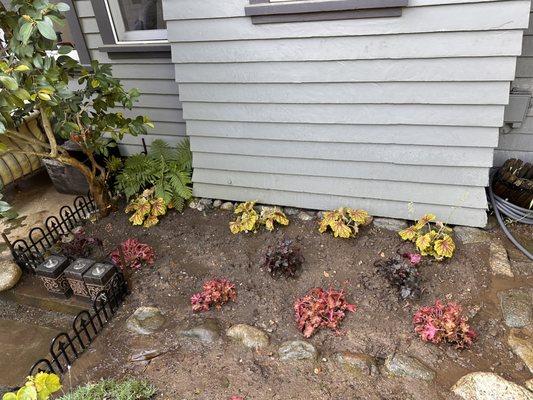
(516, 110)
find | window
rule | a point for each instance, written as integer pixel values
(137, 20)
(132, 26)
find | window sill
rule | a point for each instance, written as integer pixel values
(147, 50)
(265, 12)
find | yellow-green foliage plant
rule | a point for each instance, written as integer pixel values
(147, 209)
(250, 220)
(431, 237)
(38, 387)
(344, 222)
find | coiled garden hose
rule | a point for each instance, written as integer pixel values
(518, 214)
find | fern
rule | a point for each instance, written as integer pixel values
(165, 169)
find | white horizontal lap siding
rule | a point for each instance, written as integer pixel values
(372, 113)
(155, 79)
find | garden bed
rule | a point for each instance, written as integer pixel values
(193, 247)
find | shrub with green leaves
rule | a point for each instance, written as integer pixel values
(110, 389)
(164, 169)
(38, 387)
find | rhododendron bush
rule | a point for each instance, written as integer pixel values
(430, 239)
(216, 292)
(134, 255)
(444, 323)
(321, 309)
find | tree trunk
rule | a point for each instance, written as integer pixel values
(100, 195)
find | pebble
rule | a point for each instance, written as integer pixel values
(521, 342)
(516, 307)
(405, 366)
(10, 274)
(206, 202)
(297, 350)
(390, 224)
(145, 320)
(250, 336)
(291, 211)
(208, 331)
(499, 262)
(358, 364)
(227, 206)
(489, 386)
(217, 203)
(304, 216)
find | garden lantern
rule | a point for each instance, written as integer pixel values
(52, 274)
(74, 274)
(100, 277)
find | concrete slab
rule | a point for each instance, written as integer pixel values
(22, 344)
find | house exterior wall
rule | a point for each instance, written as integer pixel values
(369, 113)
(518, 143)
(154, 77)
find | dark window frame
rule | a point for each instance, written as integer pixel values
(103, 19)
(265, 12)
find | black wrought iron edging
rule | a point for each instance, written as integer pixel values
(28, 254)
(67, 347)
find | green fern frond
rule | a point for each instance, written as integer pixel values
(184, 155)
(161, 150)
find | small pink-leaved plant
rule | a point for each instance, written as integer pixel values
(135, 253)
(444, 323)
(216, 292)
(321, 309)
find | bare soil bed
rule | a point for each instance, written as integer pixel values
(193, 247)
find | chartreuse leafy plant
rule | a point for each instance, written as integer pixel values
(431, 237)
(35, 74)
(156, 181)
(38, 387)
(344, 222)
(250, 220)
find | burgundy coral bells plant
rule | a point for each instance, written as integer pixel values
(134, 255)
(321, 309)
(444, 323)
(216, 292)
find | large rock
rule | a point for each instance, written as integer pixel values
(516, 307)
(10, 274)
(390, 224)
(406, 366)
(521, 342)
(249, 336)
(468, 235)
(145, 320)
(297, 350)
(358, 364)
(499, 261)
(207, 332)
(529, 384)
(489, 386)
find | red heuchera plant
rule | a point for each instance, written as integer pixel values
(236, 398)
(320, 308)
(444, 323)
(216, 292)
(136, 255)
(414, 258)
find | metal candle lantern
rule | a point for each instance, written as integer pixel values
(52, 274)
(100, 277)
(74, 274)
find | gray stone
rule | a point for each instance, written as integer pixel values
(193, 203)
(208, 331)
(529, 384)
(304, 216)
(145, 320)
(499, 262)
(390, 224)
(248, 335)
(406, 366)
(521, 342)
(217, 203)
(516, 307)
(227, 206)
(206, 202)
(358, 364)
(297, 350)
(10, 274)
(291, 211)
(489, 386)
(201, 207)
(468, 235)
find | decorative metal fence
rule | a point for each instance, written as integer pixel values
(69, 346)
(29, 253)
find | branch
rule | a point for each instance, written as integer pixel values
(49, 133)
(26, 138)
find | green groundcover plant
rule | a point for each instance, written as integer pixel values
(110, 389)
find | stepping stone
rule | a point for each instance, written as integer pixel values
(207, 332)
(358, 364)
(516, 307)
(21, 346)
(499, 262)
(145, 320)
(249, 336)
(489, 386)
(10, 274)
(405, 366)
(521, 342)
(468, 235)
(297, 350)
